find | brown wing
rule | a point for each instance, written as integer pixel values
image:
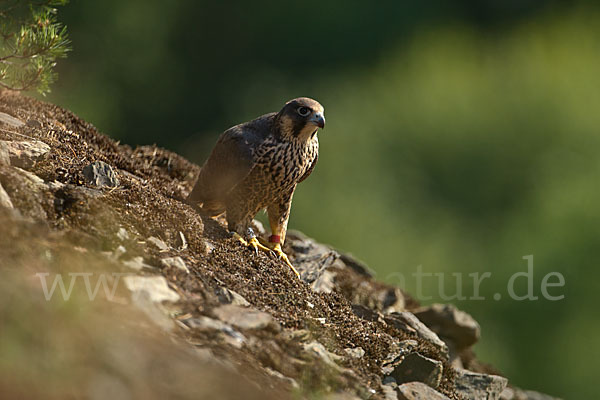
(231, 160)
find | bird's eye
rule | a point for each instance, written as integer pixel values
(303, 111)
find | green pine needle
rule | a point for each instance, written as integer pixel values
(31, 40)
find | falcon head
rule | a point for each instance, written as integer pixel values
(300, 118)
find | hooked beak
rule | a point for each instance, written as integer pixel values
(319, 120)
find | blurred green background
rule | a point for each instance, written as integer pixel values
(461, 136)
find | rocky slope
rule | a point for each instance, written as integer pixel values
(193, 314)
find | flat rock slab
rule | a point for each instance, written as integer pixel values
(156, 288)
(418, 368)
(356, 352)
(28, 193)
(317, 349)
(156, 242)
(514, 393)
(175, 262)
(245, 317)
(418, 391)
(227, 296)
(450, 323)
(230, 335)
(473, 386)
(24, 154)
(324, 283)
(409, 323)
(312, 258)
(10, 120)
(138, 264)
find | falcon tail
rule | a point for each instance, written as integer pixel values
(201, 197)
(213, 208)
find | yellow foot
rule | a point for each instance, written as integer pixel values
(256, 245)
(277, 250)
(253, 243)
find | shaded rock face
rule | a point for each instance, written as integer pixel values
(409, 323)
(417, 368)
(337, 332)
(452, 324)
(473, 386)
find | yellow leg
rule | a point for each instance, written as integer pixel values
(256, 245)
(253, 243)
(278, 219)
(276, 248)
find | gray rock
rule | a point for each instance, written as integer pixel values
(122, 234)
(245, 317)
(317, 349)
(325, 282)
(156, 288)
(207, 247)
(389, 381)
(227, 296)
(205, 323)
(100, 174)
(454, 360)
(475, 386)
(24, 154)
(137, 264)
(392, 300)
(356, 265)
(119, 251)
(35, 181)
(514, 393)
(418, 391)
(397, 352)
(175, 262)
(357, 352)
(389, 392)
(450, 323)
(417, 368)
(10, 120)
(156, 242)
(311, 258)
(146, 301)
(407, 322)
(5, 199)
(230, 335)
(533, 395)
(292, 382)
(29, 193)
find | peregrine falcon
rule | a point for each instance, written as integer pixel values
(257, 165)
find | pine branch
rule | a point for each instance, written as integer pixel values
(30, 43)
